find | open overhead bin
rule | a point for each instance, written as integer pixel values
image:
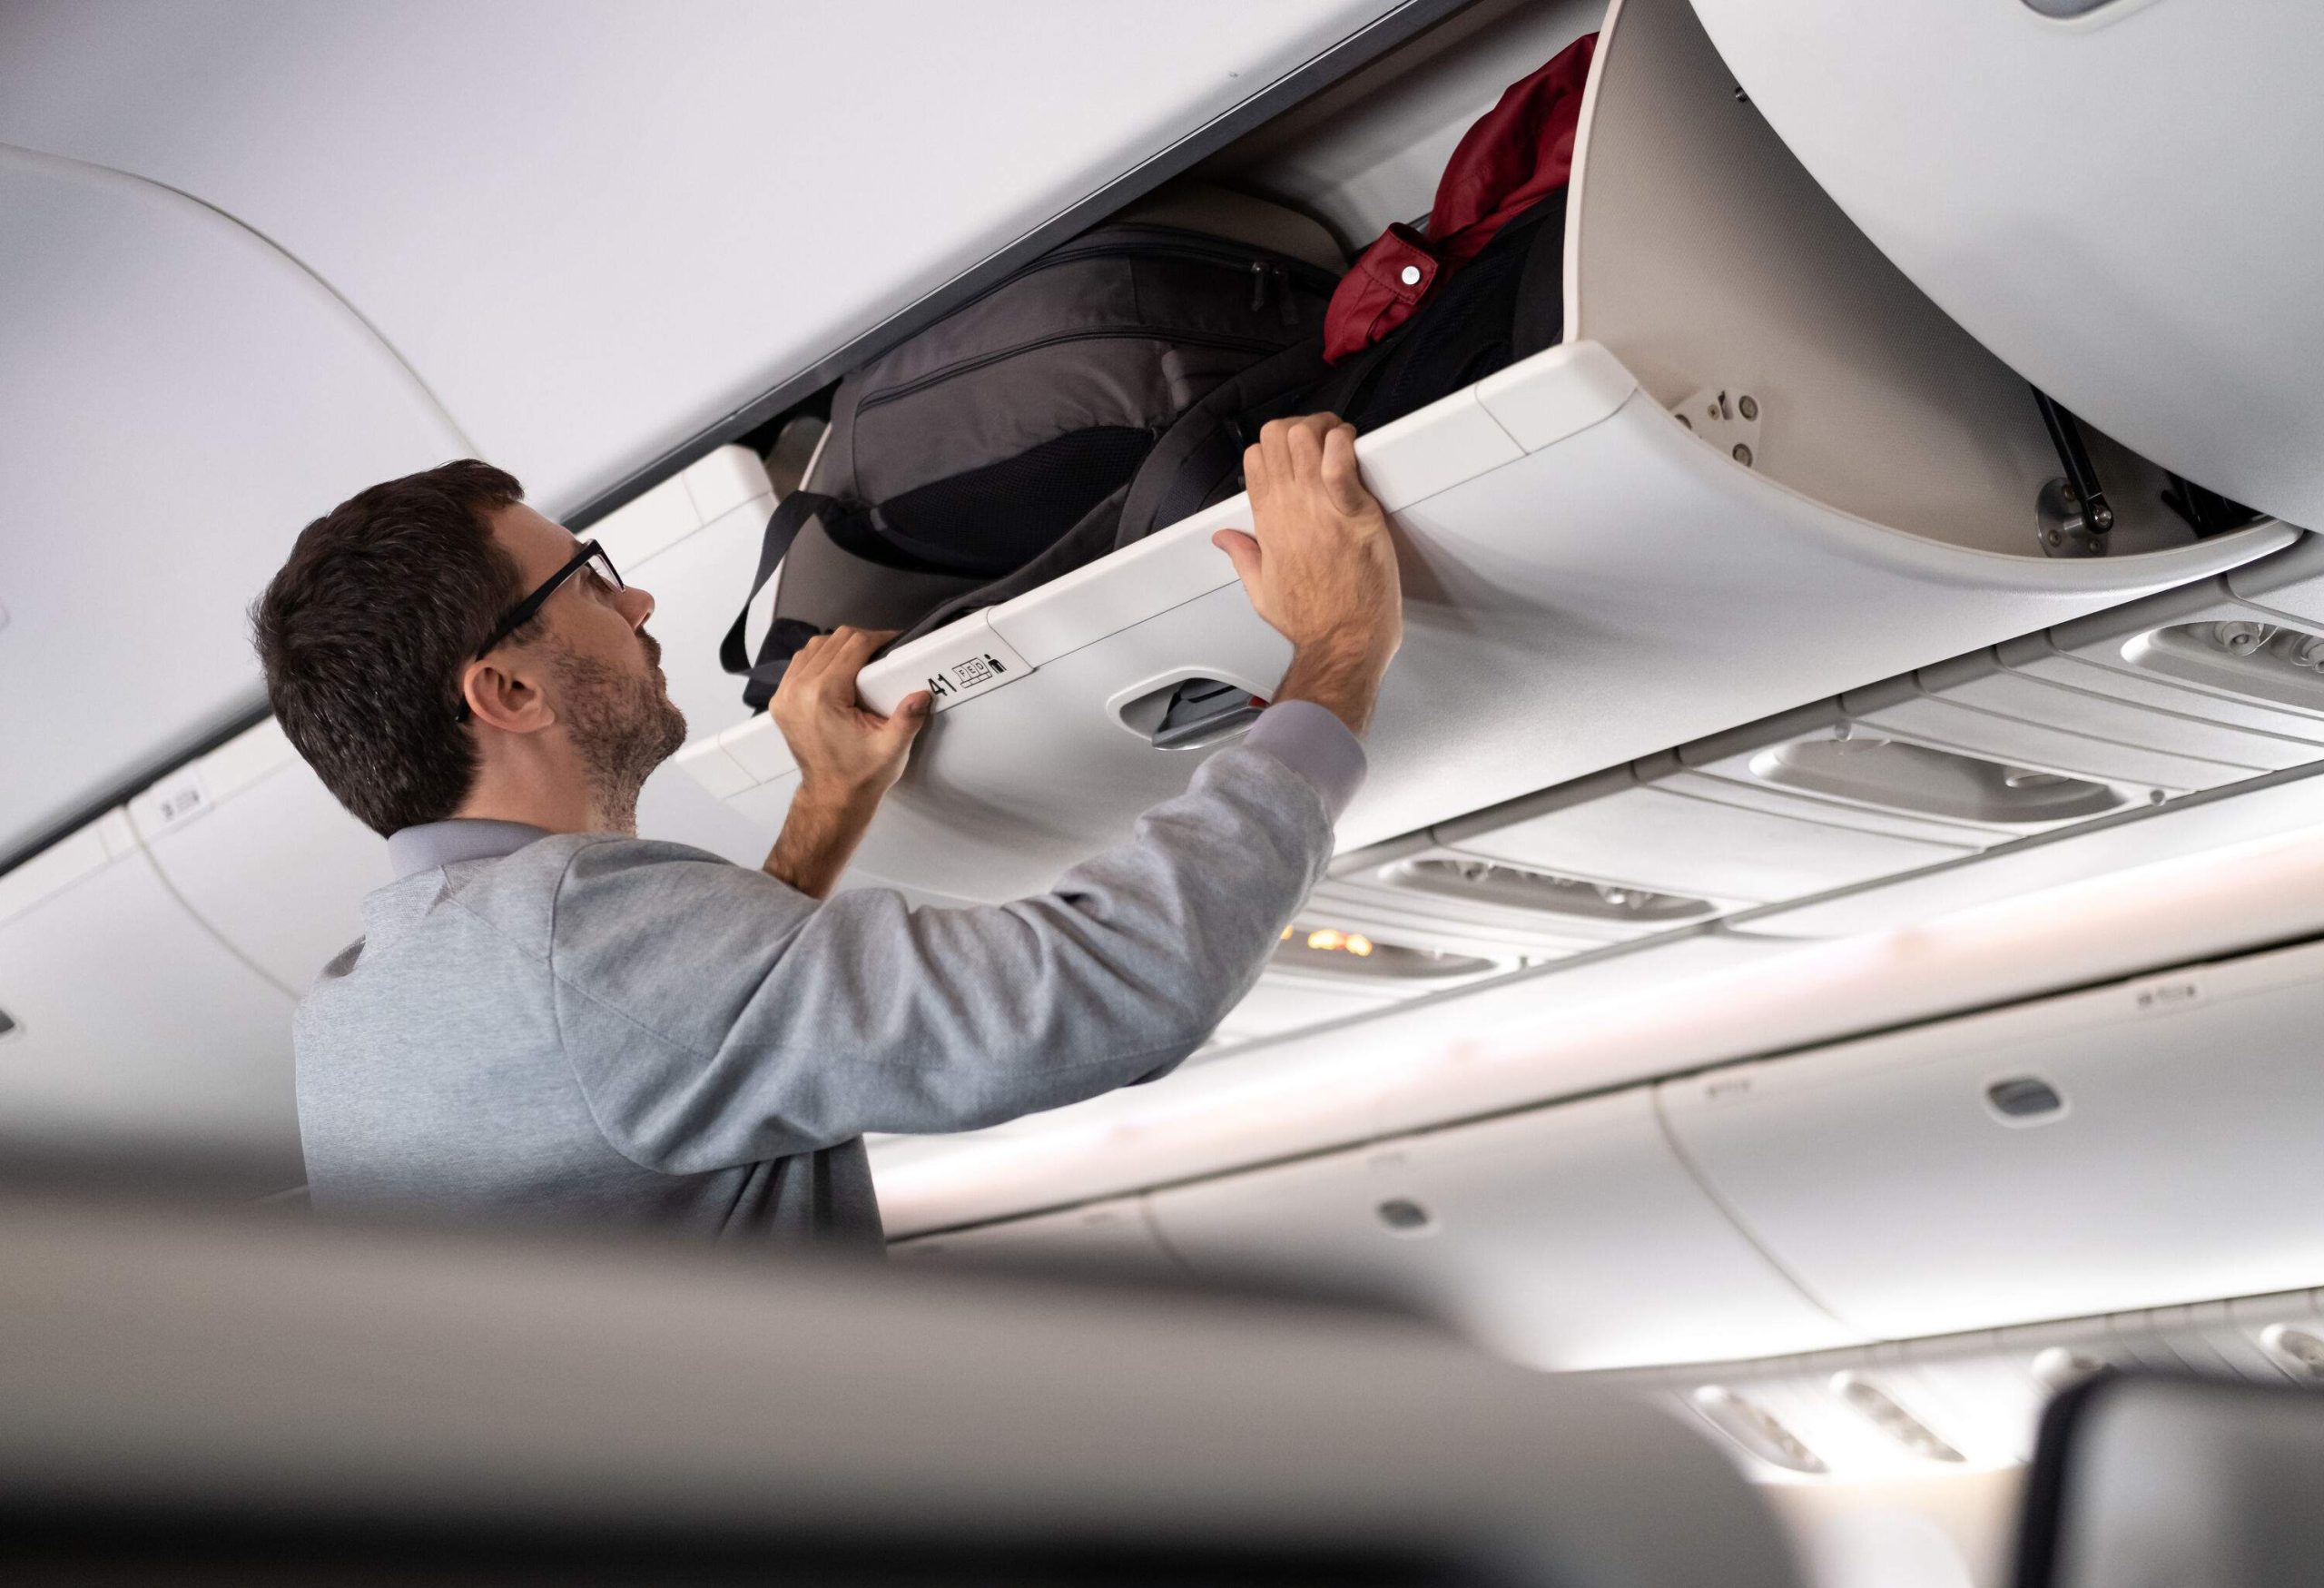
(1763, 470)
(2116, 196)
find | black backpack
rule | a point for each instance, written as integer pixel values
(999, 443)
(1506, 304)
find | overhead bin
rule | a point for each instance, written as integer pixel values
(2146, 1144)
(1588, 578)
(248, 837)
(1566, 1237)
(1111, 1236)
(131, 1027)
(2000, 165)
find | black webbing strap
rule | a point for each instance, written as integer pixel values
(791, 515)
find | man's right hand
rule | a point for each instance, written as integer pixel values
(1319, 565)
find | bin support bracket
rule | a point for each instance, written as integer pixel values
(2071, 514)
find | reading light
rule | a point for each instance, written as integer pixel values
(1343, 953)
(1756, 1429)
(1876, 1407)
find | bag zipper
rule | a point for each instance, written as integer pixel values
(938, 377)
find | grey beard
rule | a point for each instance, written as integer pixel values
(624, 727)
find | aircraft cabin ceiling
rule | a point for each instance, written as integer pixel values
(564, 244)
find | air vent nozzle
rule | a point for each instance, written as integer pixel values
(7, 1024)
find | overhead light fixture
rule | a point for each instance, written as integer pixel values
(1876, 1407)
(1756, 1429)
(1338, 951)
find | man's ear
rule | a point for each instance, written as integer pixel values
(509, 698)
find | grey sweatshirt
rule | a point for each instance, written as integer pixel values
(618, 1032)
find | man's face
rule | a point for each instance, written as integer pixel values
(604, 676)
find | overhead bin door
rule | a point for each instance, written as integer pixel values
(262, 854)
(1106, 1237)
(132, 1028)
(1567, 1237)
(2140, 1145)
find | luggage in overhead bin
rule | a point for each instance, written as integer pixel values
(1417, 318)
(1004, 435)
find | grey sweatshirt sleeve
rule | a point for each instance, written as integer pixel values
(714, 1017)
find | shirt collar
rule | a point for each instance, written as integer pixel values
(433, 844)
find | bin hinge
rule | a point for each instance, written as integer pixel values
(2070, 513)
(1727, 417)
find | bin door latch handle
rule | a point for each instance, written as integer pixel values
(1203, 711)
(2070, 513)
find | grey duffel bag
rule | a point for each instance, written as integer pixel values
(991, 451)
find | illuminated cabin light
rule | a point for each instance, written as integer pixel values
(1339, 951)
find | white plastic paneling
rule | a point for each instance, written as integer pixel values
(1566, 1237)
(1984, 681)
(1656, 826)
(177, 399)
(1848, 763)
(651, 275)
(693, 543)
(1999, 144)
(1114, 1237)
(2180, 1168)
(2168, 834)
(262, 854)
(137, 1029)
(1285, 1004)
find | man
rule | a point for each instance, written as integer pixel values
(549, 1017)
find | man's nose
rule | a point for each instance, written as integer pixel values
(636, 605)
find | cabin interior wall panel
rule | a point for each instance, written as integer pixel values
(2161, 1152)
(1505, 1227)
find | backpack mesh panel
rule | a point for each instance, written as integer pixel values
(993, 520)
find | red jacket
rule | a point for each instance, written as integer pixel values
(1517, 155)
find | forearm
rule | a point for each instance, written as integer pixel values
(818, 836)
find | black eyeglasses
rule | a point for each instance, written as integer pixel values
(526, 610)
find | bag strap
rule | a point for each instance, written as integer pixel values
(791, 515)
(1201, 451)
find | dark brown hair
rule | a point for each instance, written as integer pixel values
(364, 633)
